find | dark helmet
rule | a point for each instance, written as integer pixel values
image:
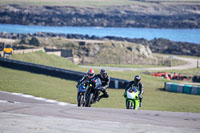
(90, 73)
(103, 73)
(137, 78)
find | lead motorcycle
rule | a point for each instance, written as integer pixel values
(132, 98)
(93, 90)
(81, 94)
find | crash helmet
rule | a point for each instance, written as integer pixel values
(90, 73)
(103, 73)
(137, 78)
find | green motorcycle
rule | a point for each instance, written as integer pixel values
(132, 98)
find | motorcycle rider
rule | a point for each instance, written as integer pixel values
(137, 83)
(90, 74)
(105, 81)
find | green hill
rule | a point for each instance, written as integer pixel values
(44, 59)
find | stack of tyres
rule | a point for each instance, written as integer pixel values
(194, 90)
(187, 89)
(174, 87)
(180, 88)
(198, 92)
(168, 86)
(196, 79)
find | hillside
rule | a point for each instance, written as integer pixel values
(160, 45)
(135, 13)
(92, 51)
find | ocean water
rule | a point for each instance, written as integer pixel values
(181, 35)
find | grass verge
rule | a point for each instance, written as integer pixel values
(44, 59)
(125, 65)
(155, 98)
(37, 85)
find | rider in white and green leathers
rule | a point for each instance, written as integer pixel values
(137, 83)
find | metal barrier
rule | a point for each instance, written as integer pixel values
(55, 72)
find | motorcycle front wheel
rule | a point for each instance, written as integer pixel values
(80, 101)
(129, 105)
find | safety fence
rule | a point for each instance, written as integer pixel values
(182, 88)
(55, 72)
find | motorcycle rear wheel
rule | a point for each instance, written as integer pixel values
(89, 100)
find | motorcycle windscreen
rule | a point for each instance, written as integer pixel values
(131, 95)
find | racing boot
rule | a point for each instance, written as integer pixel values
(140, 102)
(98, 98)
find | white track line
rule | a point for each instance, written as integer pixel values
(38, 98)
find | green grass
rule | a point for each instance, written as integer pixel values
(188, 72)
(44, 59)
(174, 63)
(155, 98)
(125, 65)
(63, 90)
(37, 85)
(193, 57)
(167, 55)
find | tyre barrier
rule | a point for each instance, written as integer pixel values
(182, 88)
(55, 72)
(196, 79)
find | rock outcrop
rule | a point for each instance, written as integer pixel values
(160, 45)
(90, 51)
(155, 16)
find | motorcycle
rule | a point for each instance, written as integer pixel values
(81, 95)
(132, 98)
(93, 90)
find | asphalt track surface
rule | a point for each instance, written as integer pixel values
(191, 63)
(19, 114)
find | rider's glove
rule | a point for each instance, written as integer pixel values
(124, 95)
(77, 86)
